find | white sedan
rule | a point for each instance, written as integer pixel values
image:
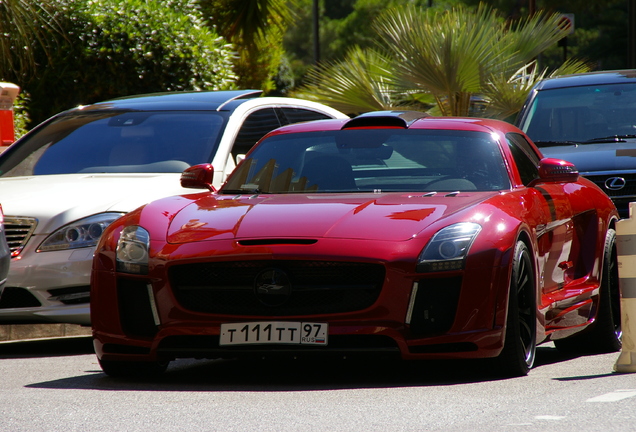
(69, 178)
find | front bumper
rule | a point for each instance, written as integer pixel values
(346, 340)
(48, 287)
(139, 319)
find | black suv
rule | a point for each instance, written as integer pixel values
(590, 120)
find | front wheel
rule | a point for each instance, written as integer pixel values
(520, 344)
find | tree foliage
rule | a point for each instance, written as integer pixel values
(23, 23)
(113, 48)
(343, 24)
(601, 29)
(256, 28)
(452, 55)
(359, 83)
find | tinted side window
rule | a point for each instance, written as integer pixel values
(266, 120)
(525, 157)
(256, 125)
(297, 115)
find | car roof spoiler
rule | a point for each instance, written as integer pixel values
(403, 119)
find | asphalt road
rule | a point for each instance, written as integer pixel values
(57, 385)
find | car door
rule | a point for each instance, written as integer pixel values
(552, 210)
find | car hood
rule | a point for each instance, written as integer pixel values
(391, 217)
(56, 200)
(596, 157)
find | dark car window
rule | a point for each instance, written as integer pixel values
(116, 142)
(263, 121)
(581, 113)
(372, 160)
(255, 126)
(297, 115)
(526, 159)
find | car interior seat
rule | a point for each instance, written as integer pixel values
(329, 172)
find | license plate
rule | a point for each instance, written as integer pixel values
(268, 332)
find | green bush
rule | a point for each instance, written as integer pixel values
(113, 48)
(21, 118)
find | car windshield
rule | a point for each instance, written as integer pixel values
(115, 142)
(372, 160)
(599, 113)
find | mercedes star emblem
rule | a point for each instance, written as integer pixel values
(272, 287)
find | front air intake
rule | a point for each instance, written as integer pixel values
(135, 308)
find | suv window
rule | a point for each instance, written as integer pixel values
(581, 113)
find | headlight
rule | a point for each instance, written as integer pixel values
(448, 248)
(132, 250)
(79, 234)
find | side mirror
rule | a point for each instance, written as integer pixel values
(557, 171)
(198, 177)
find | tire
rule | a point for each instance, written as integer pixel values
(129, 369)
(604, 334)
(520, 344)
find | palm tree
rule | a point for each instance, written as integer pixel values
(22, 23)
(507, 94)
(359, 83)
(452, 56)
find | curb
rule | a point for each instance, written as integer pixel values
(14, 332)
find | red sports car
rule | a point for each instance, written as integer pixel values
(392, 233)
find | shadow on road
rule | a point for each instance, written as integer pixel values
(54, 347)
(235, 375)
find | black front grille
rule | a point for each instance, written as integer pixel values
(317, 287)
(621, 197)
(628, 189)
(15, 297)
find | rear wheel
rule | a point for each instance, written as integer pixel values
(604, 334)
(517, 356)
(129, 369)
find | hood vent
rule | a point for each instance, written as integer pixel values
(266, 242)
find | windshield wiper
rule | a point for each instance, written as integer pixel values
(555, 143)
(611, 138)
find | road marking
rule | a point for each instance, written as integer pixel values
(613, 396)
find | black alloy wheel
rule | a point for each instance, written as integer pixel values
(517, 356)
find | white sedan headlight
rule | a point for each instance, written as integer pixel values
(448, 248)
(79, 234)
(132, 250)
